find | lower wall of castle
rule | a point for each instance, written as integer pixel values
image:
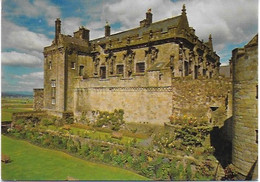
(140, 104)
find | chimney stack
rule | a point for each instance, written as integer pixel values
(107, 30)
(82, 33)
(57, 29)
(149, 17)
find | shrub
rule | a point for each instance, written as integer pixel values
(114, 119)
(173, 171)
(47, 122)
(85, 150)
(188, 172)
(20, 122)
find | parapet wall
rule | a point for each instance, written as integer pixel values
(140, 104)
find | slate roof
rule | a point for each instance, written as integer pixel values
(156, 26)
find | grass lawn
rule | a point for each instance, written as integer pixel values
(30, 162)
(11, 105)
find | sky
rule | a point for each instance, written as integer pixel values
(28, 27)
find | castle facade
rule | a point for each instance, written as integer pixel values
(132, 70)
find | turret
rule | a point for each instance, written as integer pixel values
(183, 10)
(107, 30)
(210, 42)
(183, 23)
(57, 29)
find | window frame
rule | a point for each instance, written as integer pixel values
(53, 101)
(81, 70)
(73, 65)
(101, 70)
(50, 65)
(117, 69)
(137, 68)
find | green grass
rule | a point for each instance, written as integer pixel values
(11, 105)
(30, 162)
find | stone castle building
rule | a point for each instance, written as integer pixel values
(245, 109)
(140, 70)
(157, 70)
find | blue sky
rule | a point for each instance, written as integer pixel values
(28, 26)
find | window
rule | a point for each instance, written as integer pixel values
(103, 72)
(81, 70)
(196, 72)
(210, 74)
(53, 83)
(73, 65)
(204, 72)
(50, 65)
(53, 91)
(256, 134)
(186, 68)
(256, 92)
(120, 69)
(140, 67)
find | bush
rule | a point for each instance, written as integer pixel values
(85, 150)
(173, 172)
(20, 122)
(46, 122)
(114, 119)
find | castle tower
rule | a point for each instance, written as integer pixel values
(245, 107)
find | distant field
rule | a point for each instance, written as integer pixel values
(30, 162)
(11, 105)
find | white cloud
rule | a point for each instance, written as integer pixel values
(229, 22)
(129, 13)
(20, 59)
(14, 36)
(30, 81)
(34, 9)
(26, 82)
(34, 75)
(70, 25)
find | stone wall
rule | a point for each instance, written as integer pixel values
(201, 98)
(245, 107)
(38, 99)
(140, 103)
